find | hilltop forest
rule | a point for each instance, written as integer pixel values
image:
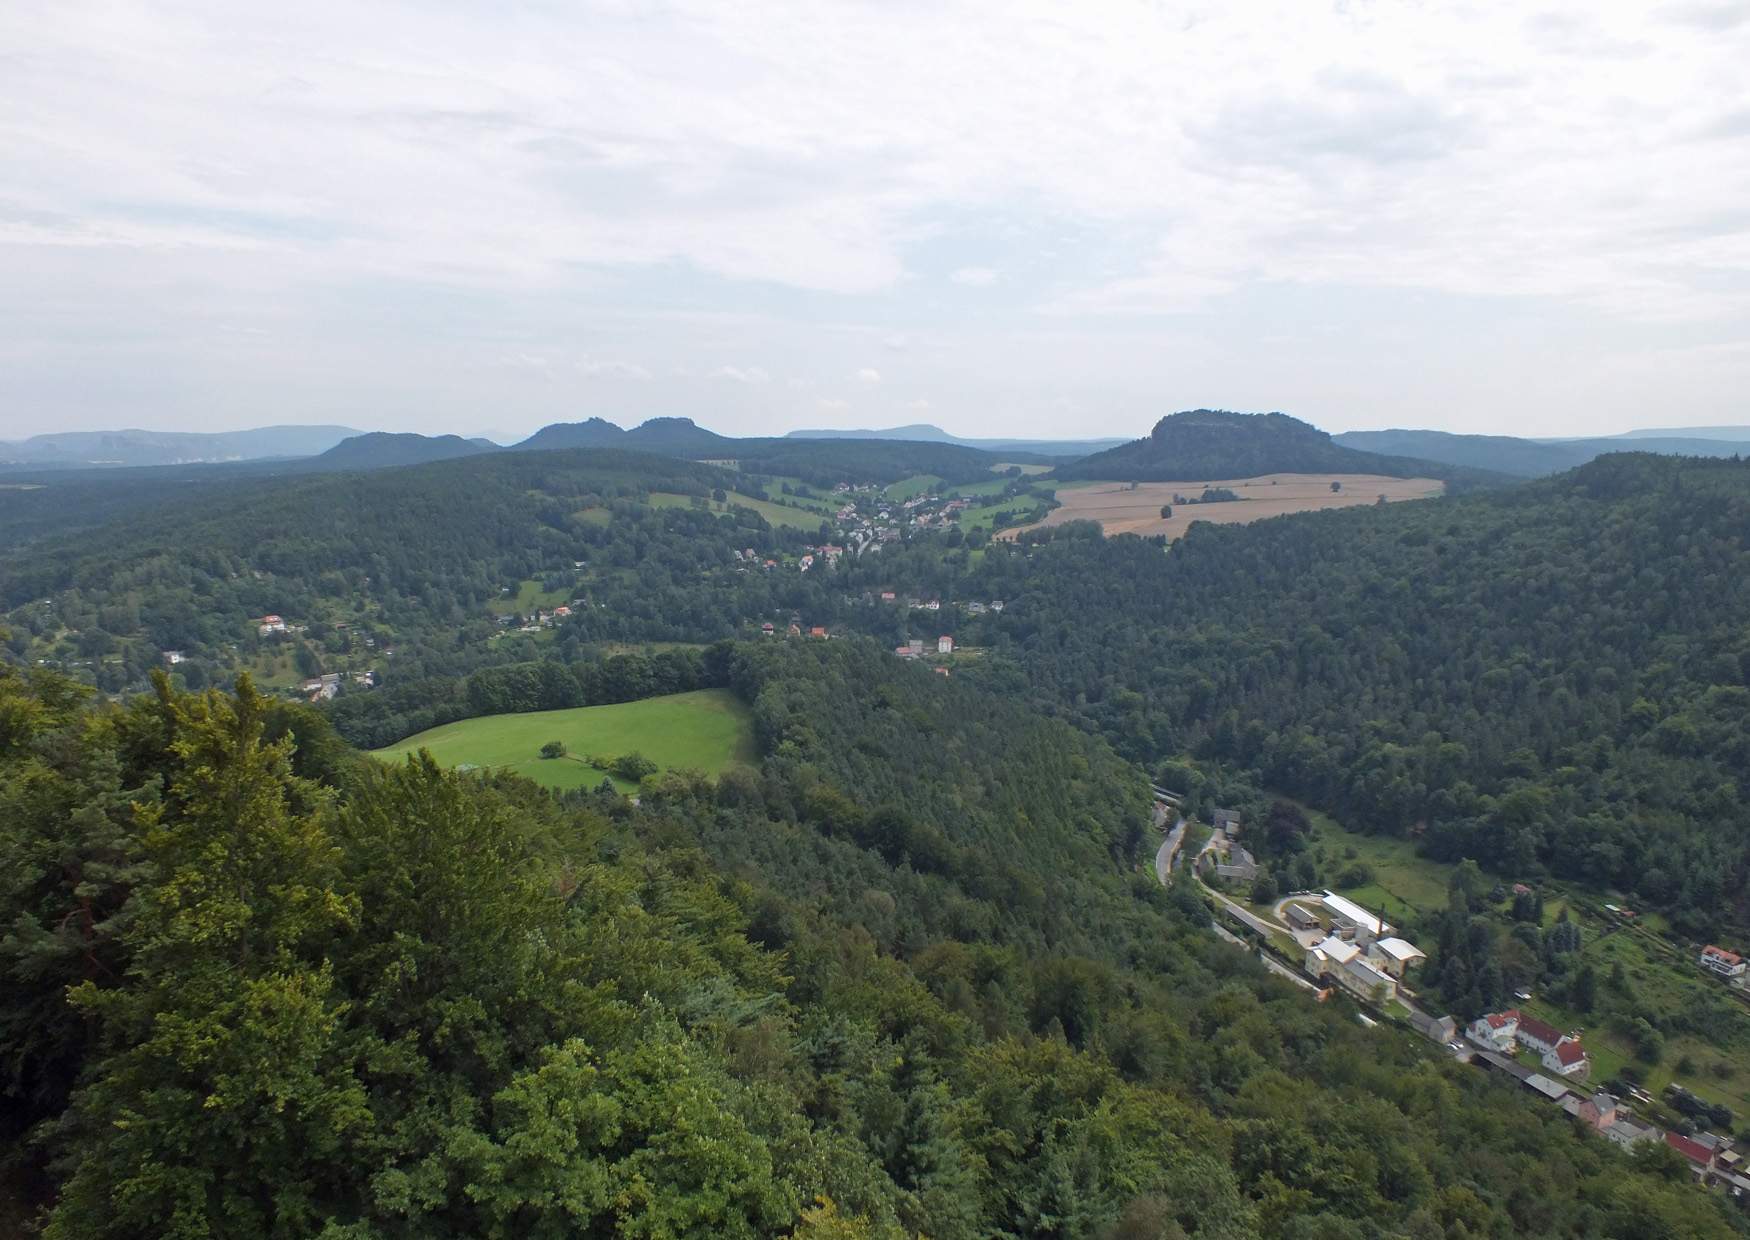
(262, 987)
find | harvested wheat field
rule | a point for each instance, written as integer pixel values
(1121, 510)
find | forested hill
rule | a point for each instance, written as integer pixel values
(1553, 677)
(257, 986)
(382, 449)
(1205, 444)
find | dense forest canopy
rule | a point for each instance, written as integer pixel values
(256, 986)
(1551, 678)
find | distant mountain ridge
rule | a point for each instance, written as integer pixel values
(73, 449)
(1203, 444)
(924, 432)
(1529, 458)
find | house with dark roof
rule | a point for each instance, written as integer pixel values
(1537, 1035)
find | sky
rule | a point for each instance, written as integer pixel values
(1007, 219)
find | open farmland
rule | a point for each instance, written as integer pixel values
(705, 730)
(1121, 508)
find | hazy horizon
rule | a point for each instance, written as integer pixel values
(1008, 221)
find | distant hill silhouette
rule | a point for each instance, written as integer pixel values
(382, 449)
(923, 432)
(1202, 444)
(1530, 458)
(78, 449)
(665, 436)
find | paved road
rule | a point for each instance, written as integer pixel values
(1169, 851)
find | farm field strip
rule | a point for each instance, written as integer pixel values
(1121, 508)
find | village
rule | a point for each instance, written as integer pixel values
(1344, 946)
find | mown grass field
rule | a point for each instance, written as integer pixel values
(529, 596)
(777, 514)
(907, 488)
(705, 730)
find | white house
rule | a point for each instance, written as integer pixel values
(1719, 960)
(271, 624)
(1567, 1058)
(944, 644)
(1495, 1030)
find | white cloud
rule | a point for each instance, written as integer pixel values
(868, 374)
(598, 368)
(742, 374)
(385, 187)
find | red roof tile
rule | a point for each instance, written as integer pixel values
(1694, 1151)
(1569, 1051)
(1538, 1030)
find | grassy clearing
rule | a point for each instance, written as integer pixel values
(705, 730)
(528, 597)
(1400, 877)
(909, 488)
(1030, 471)
(777, 514)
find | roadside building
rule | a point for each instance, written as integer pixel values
(1627, 1133)
(1442, 1029)
(1366, 979)
(1495, 1030)
(1228, 821)
(1361, 925)
(1236, 865)
(1599, 1111)
(1699, 1157)
(1396, 955)
(1300, 919)
(1330, 955)
(944, 644)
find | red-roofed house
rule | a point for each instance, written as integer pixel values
(1719, 960)
(817, 631)
(1699, 1157)
(944, 644)
(1495, 1030)
(1537, 1035)
(1567, 1058)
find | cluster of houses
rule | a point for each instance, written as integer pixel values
(1223, 856)
(1360, 950)
(1712, 1159)
(914, 648)
(1511, 1030)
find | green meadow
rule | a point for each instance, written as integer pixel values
(777, 514)
(705, 730)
